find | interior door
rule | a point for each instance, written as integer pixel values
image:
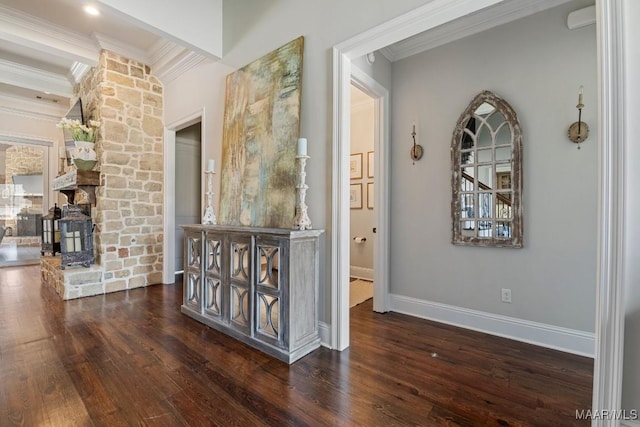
(188, 180)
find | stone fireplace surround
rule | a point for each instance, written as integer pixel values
(127, 99)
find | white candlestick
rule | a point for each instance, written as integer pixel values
(301, 220)
(302, 146)
(209, 216)
(580, 94)
(212, 166)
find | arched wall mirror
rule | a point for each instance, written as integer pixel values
(486, 182)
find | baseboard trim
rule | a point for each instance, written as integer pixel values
(325, 334)
(554, 337)
(361, 273)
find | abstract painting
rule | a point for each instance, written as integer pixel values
(261, 129)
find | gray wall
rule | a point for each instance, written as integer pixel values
(255, 27)
(631, 377)
(537, 65)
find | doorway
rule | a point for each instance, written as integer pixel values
(23, 169)
(609, 310)
(361, 196)
(188, 157)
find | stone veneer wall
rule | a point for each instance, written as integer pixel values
(128, 100)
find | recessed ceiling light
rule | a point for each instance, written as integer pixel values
(91, 10)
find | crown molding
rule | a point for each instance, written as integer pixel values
(29, 31)
(170, 60)
(467, 26)
(32, 109)
(34, 79)
(77, 72)
(180, 66)
(164, 51)
(121, 48)
(581, 18)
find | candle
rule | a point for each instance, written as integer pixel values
(414, 128)
(62, 154)
(302, 146)
(212, 166)
(580, 95)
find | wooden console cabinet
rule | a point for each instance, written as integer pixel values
(259, 285)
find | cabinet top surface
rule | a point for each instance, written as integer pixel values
(252, 230)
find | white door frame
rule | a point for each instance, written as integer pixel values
(169, 182)
(430, 15)
(611, 256)
(607, 376)
(381, 242)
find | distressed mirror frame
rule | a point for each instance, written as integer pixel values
(516, 237)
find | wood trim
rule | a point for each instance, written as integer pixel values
(169, 183)
(467, 26)
(548, 336)
(608, 368)
(340, 212)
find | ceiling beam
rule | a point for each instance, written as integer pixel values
(35, 79)
(34, 33)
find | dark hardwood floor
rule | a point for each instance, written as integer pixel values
(131, 358)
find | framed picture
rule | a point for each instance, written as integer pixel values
(355, 166)
(503, 180)
(370, 195)
(355, 196)
(370, 164)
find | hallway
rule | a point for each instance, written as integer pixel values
(131, 358)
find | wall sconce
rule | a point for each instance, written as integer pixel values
(416, 149)
(579, 131)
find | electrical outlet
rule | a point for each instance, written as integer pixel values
(506, 295)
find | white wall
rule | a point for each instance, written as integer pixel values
(253, 28)
(631, 367)
(537, 65)
(201, 90)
